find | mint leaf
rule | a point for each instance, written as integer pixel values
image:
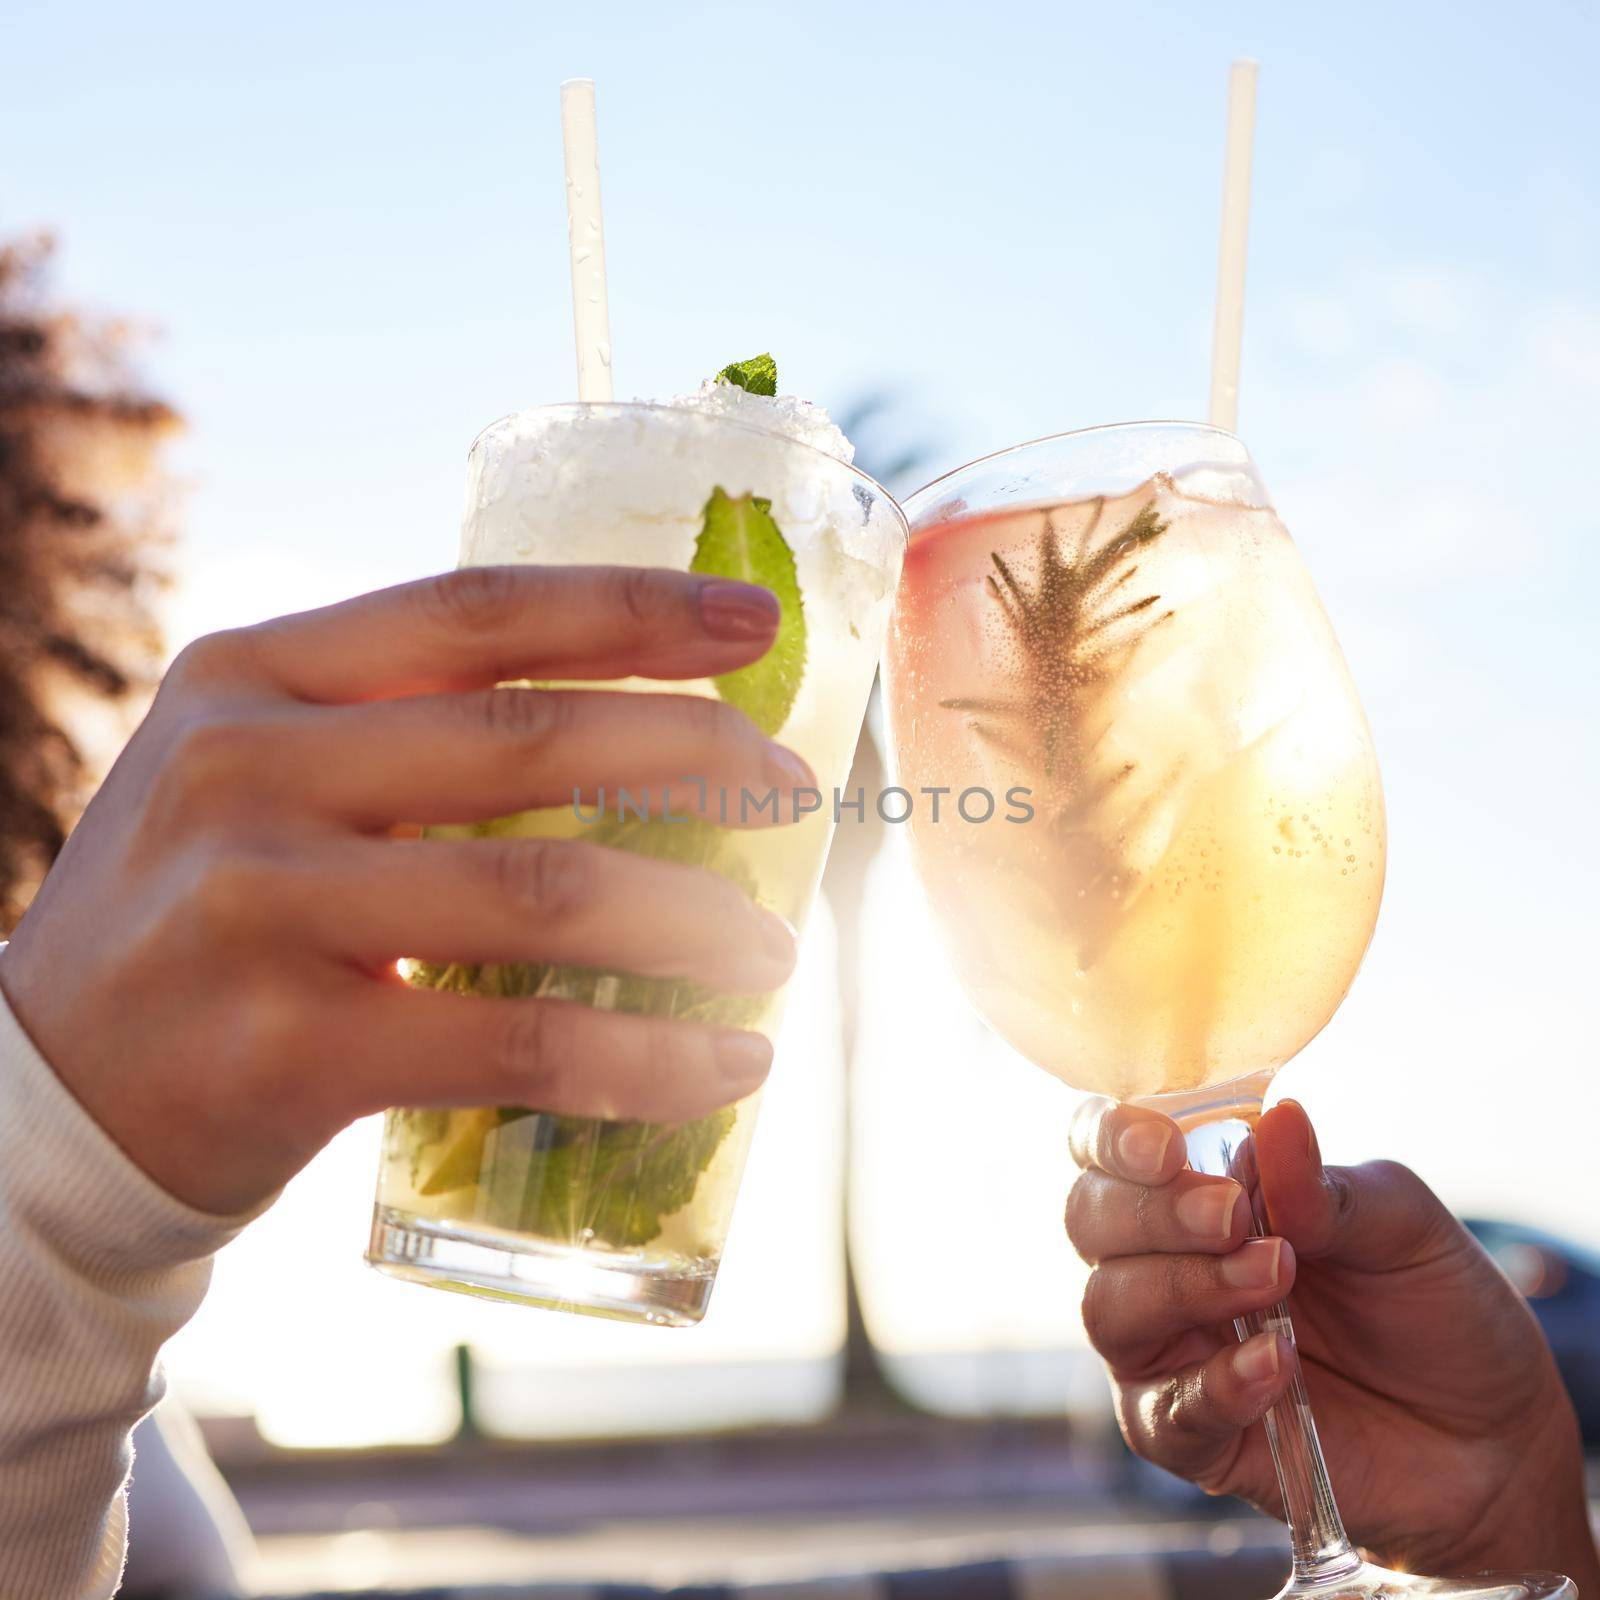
(575, 1179)
(739, 539)
(615, 1181)
(759, 375)
(567, 1178)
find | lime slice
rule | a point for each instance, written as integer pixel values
(459, 1162)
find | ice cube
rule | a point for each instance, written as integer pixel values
(787, 414)
(621, 484)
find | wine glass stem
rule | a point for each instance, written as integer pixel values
(1222, 1146)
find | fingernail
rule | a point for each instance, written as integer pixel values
(738, 611)
(1141, 1148)
(788, 771)
(1254, 1265)
(743, 1060)
(777, 939)
(1313, 1154)
(1207, 1212)
(1256, 1360)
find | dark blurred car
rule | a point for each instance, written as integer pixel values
(1561, 1282)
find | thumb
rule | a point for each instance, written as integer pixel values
(1377, 1217)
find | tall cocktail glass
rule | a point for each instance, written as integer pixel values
(628, 1219)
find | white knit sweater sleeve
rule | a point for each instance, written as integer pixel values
(99, 1267)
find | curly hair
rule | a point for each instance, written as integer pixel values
(83, 534)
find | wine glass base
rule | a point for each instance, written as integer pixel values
(1367, 1582)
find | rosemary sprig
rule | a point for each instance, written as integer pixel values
(1075, 630)
(1073, 644)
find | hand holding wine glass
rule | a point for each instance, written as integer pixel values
(1416, 1349)
(1116, 624)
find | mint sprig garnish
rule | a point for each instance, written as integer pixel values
(739, 539)
(759, 375)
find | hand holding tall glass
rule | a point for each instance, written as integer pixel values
(1117, 623)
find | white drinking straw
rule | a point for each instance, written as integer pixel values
(586, 239)
(1235, 237)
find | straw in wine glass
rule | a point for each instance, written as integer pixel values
(1229, 331)
(586, 239)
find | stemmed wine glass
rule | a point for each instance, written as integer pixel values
(1165, 858)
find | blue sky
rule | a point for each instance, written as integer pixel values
(346, 224)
